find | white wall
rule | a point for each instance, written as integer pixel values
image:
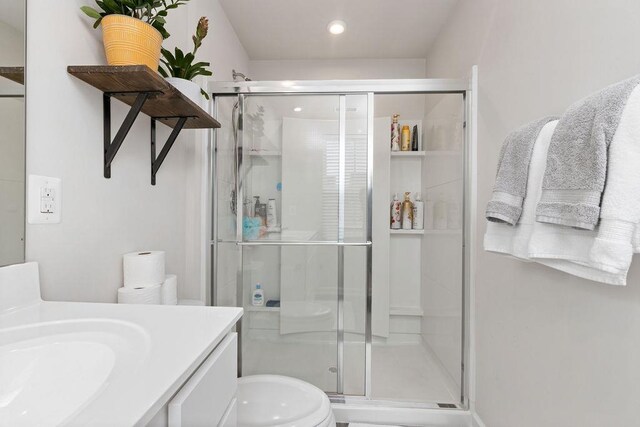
(80, 258)
(552, 349)
(337, 69)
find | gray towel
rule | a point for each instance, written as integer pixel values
(510, 188)
(577, 160)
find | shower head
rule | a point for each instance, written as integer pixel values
(237, 75)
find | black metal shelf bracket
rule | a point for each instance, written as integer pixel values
(111, 147)
(156, 162)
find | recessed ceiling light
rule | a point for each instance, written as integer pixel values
(336, 27)
(297, 109)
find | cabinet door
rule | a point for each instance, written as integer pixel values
(204, 399)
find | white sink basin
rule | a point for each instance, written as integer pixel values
(63, 366)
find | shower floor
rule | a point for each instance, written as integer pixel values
(400, 372)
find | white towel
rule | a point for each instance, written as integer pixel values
(506, 239)
(604, 254)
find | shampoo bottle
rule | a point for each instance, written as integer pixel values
(272, 217)
(407, 212)
(395, 134)
(406, 139)
(396, 206)
(418, 213)
(256, 206)
(257, 298)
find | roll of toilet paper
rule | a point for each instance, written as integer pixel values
(143, 269)
(170, 290)
(142, 295)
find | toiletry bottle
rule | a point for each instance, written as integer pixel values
(262, 213)
(406, 139)
(256, 206)
(395, 134)
(414, 139)
(418, 213)
(249, 207)
(257, 298)
(428, 214)
(272, 219)
(396, 216)
(407, 212)
(440, 213)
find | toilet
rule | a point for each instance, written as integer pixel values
(274, 400)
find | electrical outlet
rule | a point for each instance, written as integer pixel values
(44, 197)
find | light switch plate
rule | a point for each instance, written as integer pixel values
(44, 200)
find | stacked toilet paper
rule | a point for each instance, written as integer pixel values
(145, 280)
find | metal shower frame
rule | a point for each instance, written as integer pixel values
(343, 88)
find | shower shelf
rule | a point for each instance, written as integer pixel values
(252, 308)
(407, 232)
(144, 90)
(407, 154)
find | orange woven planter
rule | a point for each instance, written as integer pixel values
(129, 41)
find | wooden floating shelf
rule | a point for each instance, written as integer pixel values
(15, 74)
(144, 90)
(165, 104)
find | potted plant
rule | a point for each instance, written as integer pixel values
(132, 30)
(181, 68)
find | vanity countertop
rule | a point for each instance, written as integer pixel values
(129, 359)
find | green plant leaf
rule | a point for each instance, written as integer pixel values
(91, 12)
(113, 5)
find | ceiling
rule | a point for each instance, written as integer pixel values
(12, 13)
(297, 29)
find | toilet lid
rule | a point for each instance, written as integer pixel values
(273, 400)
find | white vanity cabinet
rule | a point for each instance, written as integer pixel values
(208, 398)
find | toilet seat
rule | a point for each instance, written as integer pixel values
(274, 400)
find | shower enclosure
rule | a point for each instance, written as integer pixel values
(303, 176)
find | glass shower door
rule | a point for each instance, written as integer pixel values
(301, 221)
